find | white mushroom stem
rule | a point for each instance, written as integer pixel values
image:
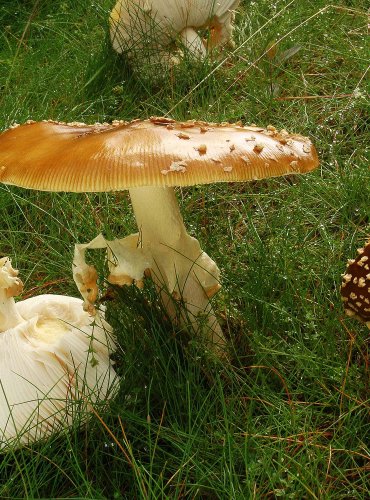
(10, 285)
(178, 266)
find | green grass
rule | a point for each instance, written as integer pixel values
(290, 416)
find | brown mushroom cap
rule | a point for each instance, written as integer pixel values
(355, 289)
(75, 157)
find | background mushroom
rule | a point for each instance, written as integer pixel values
(54, 362)
(149, 158)
(141, 26)
(355, 288)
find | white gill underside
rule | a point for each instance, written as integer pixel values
(54, 362)
(51, 372)
(176, 14)
(136, 22)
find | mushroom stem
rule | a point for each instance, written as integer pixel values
(10, 286)
(180, 268)
(193, 43)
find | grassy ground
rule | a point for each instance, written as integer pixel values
(290, 417)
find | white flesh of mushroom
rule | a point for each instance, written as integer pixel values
(178, 266)
(54, 362)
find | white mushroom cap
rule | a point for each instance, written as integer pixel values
(54, 364)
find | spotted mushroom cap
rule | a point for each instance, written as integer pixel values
(355, 289)
(57, 156)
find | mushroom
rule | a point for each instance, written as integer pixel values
(137, 24)
(54, 362)
(355, 288)
(149, 158)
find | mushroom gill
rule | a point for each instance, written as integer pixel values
(54, 362)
